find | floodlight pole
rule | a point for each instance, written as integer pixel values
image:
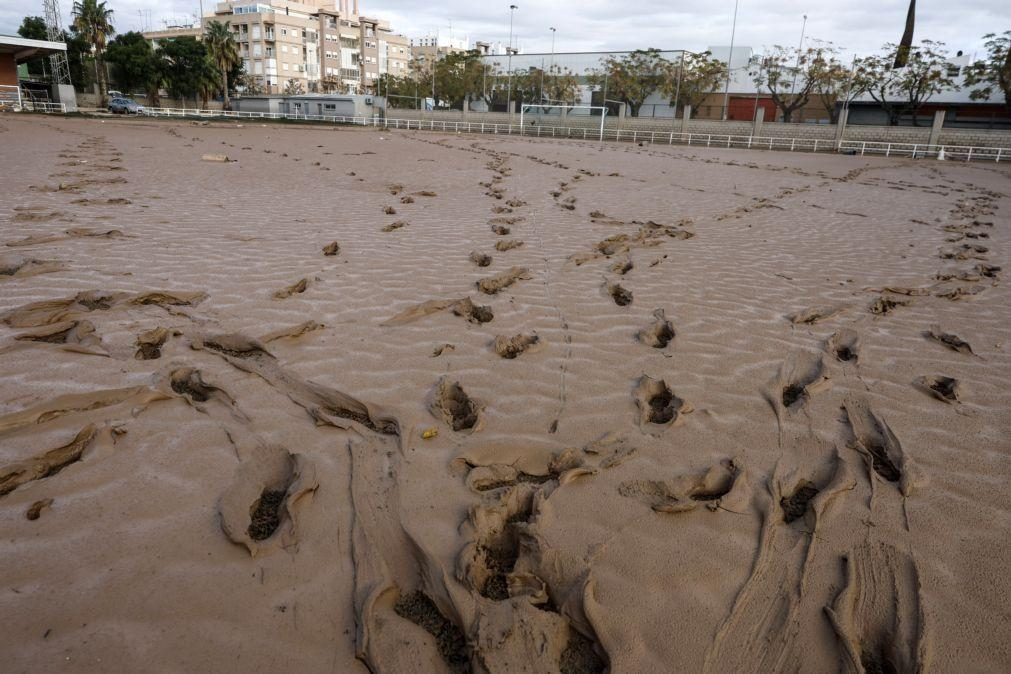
(551, 66)
(800, 48)
(509, 54)
(730, 56)
(677, 90)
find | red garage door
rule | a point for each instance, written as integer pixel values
(743, 108)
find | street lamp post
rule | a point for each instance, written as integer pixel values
(509, 54)
(730, 57)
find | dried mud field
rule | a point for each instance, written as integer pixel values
(361, 401)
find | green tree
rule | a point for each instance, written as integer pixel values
(400, 92)
(992, 74)
(633, 77)
(293, 87)
(224, 51)
(34, 28)
(792, 76)
(134, 65)
(701, 76)
(560, 85)
(93, 21)
(904, 90)
(186, 68)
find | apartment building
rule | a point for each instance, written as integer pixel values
(357, 50)
(278, 41)
(428, 49)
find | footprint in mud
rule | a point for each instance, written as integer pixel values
(495, 284)
(950, 340)
(501, 230)
(79, 335)
(815, 315)
(685, 493)
(878, 616)
(881, 449)
(510, 347)
(394, 226)
(260, 508)
(795, 505)
(13, 475)
(293, 289)
(480, 259)
(441, 349)
(188, 382)
(659, 333)
(332, 248)
(451, 403)
(945, 389)
(407, 199)
(621, 296)
(507, 244)
(150, 342)
(449, 638)
(884, 305)
(844, 345)
(658, 406)
(801, 376)
(35, 511)
(389, 210)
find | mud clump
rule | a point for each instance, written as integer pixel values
(150, 342)
(795, 506)
(332, 248)
(510, 347)
(452, 404)
(508, 244)
(188, 382)
(265, 515)
(495, 284)
(792, 393)
(884, 305)
(658, 334)
(293, 289)
(449, 639)
(35, 511)
(480, 259)
(474, 313)
(501, 230)
(394, 226)
(621, 296)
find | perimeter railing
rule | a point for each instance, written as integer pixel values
(913, 150)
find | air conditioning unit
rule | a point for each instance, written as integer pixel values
(368, 100)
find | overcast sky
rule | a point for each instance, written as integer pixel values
(592, 25)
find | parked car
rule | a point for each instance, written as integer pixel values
(127, 106)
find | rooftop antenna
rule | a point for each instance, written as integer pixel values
(54, 31)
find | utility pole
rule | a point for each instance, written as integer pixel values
(730, 57)
(509, 54)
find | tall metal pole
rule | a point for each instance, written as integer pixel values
(677, 91)
(730, 57)
(509, 53)
(551, 67)
(800, 48)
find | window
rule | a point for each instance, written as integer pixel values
(284, 31)
(330, 106)
(285, 66)
(270, 52)
(256, 49)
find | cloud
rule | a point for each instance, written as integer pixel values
(591, 25)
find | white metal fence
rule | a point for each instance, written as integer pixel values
(913, 150)
(11, 98)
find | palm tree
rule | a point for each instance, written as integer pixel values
(224, 51)
(93, 21)
(906, 43)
